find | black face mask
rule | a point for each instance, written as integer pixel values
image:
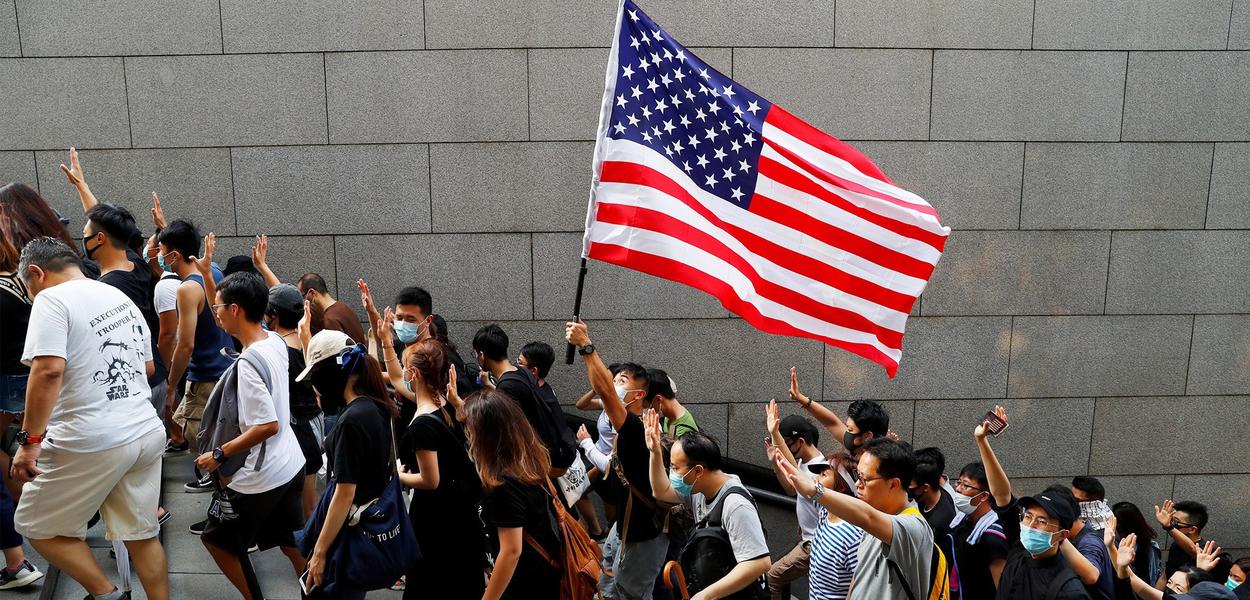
(88, 250)
(330, 381)
(848, 441)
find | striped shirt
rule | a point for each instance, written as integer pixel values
(835, 555)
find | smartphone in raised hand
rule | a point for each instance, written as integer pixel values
(993, 423)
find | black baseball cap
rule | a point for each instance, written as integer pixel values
(1058, 507)
(795, 426)
(819, 467)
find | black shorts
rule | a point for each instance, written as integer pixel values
(309, 446)
(267, 519)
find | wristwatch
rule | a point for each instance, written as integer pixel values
(219, 455)
(24, 438)
(820, 491)
(586, 350)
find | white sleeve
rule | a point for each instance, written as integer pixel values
(255, 403)
(48, 332)
(166, 296)
(596, 458)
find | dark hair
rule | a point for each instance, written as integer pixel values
(1196, 575)
(1090, 486)
(1243, 563)
(313, 281)
(701, 449)
(502, 442)
(24, 216)
(539, 355)
(634, 370)
(117, 224)
(1196, 511)
(438, 331)
(248, 291)
(48, 253)
(658, 384)
(286, 319)
(846, 461)
(930, 465)
(181, 236)
(429, 358)
(491, 341)
(372, 384)
(895, 460)
(1129, 519)
(976, 472)
(869, 417)
(415, 296)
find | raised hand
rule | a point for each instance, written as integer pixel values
(1108, 536)
(771, 420)
(1208, 556)
(804, 485)
(260, 251)
(795, 394)
(1126, 552)
(366, 300)
(204, 264)
(453, 393)
(582, 434)
(386, 329)
(981, 431)
(305, 325)
(74, 171)
(577, 333)
(651, 425)
(158, 214)
(1164, 514)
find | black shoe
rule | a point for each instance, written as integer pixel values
(199, 487)
(171, 448)
(198, 528)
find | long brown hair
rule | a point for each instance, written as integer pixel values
(429, 359)
(501, 441)
(24, 216)
(371, 383)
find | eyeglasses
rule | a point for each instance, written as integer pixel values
(959, 485)
(214, 307)
(1034, 522)
(862, 480)
(1181, 524)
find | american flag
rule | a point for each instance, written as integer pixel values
(701, 181)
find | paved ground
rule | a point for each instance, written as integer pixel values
(192, 573)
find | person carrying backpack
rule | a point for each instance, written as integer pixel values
(897, 558)
(727, 555)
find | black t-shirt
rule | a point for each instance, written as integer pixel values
(975, 578)
(939, 520)
(139, 285)
(303, 397)
(635, 460)
(14, 317)
(523, 388)
(1178, 558)
(359, 449)
(458, 483)
(1026, 578)
(514, 504)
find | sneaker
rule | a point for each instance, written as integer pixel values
(171, 448)
(198, 527)
(23, 577)
(199, 487)
(400, 584)
(253, 549)
(161, 520)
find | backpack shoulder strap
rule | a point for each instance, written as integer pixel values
(250, 356)
(13, 285)
(716, 516)
(1056, 584)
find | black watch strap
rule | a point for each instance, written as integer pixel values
(586, 350)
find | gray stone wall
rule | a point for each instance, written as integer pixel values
(1091, 158)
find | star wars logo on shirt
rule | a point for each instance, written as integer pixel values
(119, 343)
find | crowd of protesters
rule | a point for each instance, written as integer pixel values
(121, 349)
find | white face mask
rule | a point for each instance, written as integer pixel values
(963, 503)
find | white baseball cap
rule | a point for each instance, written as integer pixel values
(327, 344)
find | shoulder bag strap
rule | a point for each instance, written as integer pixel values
(533, 543)
(894, 569)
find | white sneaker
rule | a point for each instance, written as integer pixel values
(24, 576)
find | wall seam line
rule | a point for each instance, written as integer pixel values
(130, 128)
(1206, 212)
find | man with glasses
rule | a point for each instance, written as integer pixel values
(895, 554)
(1184, 522)
(795, 437)
(981, 547)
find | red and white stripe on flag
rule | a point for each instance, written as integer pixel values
(826, 247)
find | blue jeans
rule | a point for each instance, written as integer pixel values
(13, 393)
(9, 537)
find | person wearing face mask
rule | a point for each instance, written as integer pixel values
(1190, 582)
(446, 490)
(643, 545)
(796, 438)
(696, 478)
(980, 545)
(1184, 522)
(865, 419)
(1091, 496)
(934, 501)
(1238, 574)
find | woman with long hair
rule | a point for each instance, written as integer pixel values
(358, 448)
(446, 489)
(513, 466)
(1129, 519)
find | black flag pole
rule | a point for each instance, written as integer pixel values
(577, 309)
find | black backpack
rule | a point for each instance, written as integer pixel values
(550, 425)
(709, 555)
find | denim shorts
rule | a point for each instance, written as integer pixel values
(13, 393)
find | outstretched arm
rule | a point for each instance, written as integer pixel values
(76, 178)
(1123, 558)
(394, 370)
(260, 252)
(1000, 486)
(661, 487)
(852, 510)
(600, 377)
(773, 423)
(824, 416)
(1164, 515)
